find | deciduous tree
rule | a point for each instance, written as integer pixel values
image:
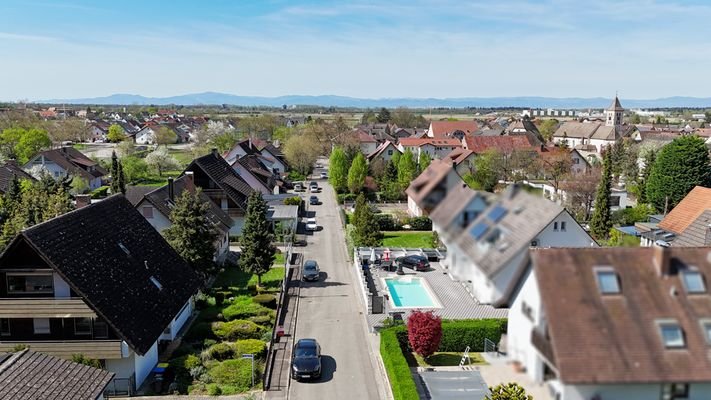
(257, 237)
(115, 134)
(547, 128)
(680, 165)
(165, 135)
(357, 173)
(406, 168)
(508, 391)
(191, 232)
(161, 160)
(338, 170)
(302, 151)
(486, 174)
(424, 332)
(383, 115)
(424, 161)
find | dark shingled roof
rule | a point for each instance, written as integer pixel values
(72, 161)
(615, 338)
(134, 194)
(107, 252)
(9, 171)
(34, 376)
(224, 177)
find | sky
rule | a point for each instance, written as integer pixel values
(642, 49)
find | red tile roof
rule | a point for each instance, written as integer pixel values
(417, 142)
(696, 202)
(442, 129)
(504, 144)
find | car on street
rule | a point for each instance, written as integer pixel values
(414, 261)
(313, 200)
(306, 360)
(313, 187)
(311, 224)
(324, 175)
(310, 271)
(298, 187)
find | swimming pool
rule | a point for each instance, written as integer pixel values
(410, 292)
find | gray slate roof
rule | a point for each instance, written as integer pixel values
(447, 211)
(34, 376)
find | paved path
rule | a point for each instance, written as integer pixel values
(330, 312)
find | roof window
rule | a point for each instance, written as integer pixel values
(155, 282)
(607, 280)
(672, 335)
(125, 250)
(693, 281)
(496, 214)
(479, 230)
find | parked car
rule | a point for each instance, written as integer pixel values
(414, 261)
(324, 175)
(310, 271)
(306, 361)
(298, 187)
(313, 200)
(313, 187)
(311, 224)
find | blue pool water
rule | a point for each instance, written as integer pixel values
(409, 292)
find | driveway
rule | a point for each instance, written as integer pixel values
(329, 311)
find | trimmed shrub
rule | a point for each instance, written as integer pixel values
(292, 201)
(213, 389)
(387, 222)
(457, 335)
(208, 342)
(192, 361)
(242, 308)
(219, 298)
(199, 332)
(220, 351)
(201, 301)
(403, 386)
(419, 223)
(343, 197)
(234, 372)
(100, 192)
(237, 329)
(266, 300)
(261, 319)
(251, 346)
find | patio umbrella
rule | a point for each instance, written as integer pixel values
(373, 257)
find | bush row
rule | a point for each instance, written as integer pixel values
(388, 222)
(401, 382)
(458, 334)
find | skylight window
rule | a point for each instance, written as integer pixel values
(155, 282)
(125, 250)
(607, 281)
(672, 335)
(706, 327)
(693, 281)
(479, 230)
(496, 214)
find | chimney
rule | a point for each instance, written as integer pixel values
(171, 189)
(662, 259)
(214, 152)
(82, 200)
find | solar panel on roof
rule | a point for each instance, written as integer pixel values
(496, 214)
(479, 230)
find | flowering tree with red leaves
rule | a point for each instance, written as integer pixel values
(424, 331)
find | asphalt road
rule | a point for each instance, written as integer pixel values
(329, 312)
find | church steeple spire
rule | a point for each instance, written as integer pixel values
(614, 113)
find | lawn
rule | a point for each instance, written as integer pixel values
(184, 157)
(156, 180)
(416, 239)
(447, 359)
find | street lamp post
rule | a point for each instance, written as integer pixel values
(251, 357)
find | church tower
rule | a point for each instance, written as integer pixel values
(613, 114)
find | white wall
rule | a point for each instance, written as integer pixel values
(520, 326)
(600, 144)
(61, 288)
(412, 207)
(573, 236)
(253, 182)
(368, 147)
(159, 221)
(122, 367)
(145, 363)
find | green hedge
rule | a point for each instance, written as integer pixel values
(458, 334)
(251, 346)
(234, 372)
(237, 329)
(401, 382)
(242, 308)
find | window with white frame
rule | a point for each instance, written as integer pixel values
(693, 281)
(607, 280)
(40, 326)
(672, 334)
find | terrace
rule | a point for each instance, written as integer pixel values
(450, 298)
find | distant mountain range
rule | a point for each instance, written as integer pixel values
(213, 98)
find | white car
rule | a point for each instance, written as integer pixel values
(311, 224)
(324, 175)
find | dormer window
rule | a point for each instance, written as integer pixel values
(607, 280)
(672, 335)
(693, 281)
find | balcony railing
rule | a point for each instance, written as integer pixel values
(44, 307)
(97, 349)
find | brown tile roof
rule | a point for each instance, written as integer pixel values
(458, 155)
(503, 144)
(441, 129)
(365, 137)
(457, 199)
(30, 375)
(417, 142)
(605, 339)
(72, 161)
(696, 202)
(383, 146)
(421, 186)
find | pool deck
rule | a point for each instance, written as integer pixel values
(456, 301)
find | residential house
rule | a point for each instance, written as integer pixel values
(435, 148)
(240, 149)
(502, 144)
(462, 159)
(98, 130)
(256, 174)
(28, 375)
(431, 187)
(687, 225)
(68, 161)
(598, 134)
(9, 172)
(156, 206)
(615, 323)
(384, 152)
(550, 154)
(452, 129)
(367, 142)
(526, 127)
(223, 186)
(489, 254)
(97, 281)
(147, 135)
(274, 159)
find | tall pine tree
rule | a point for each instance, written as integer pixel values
(257, 249)
(121, 178)
(191, 233)
(367, 231)
(601, 222)
(114, 172)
